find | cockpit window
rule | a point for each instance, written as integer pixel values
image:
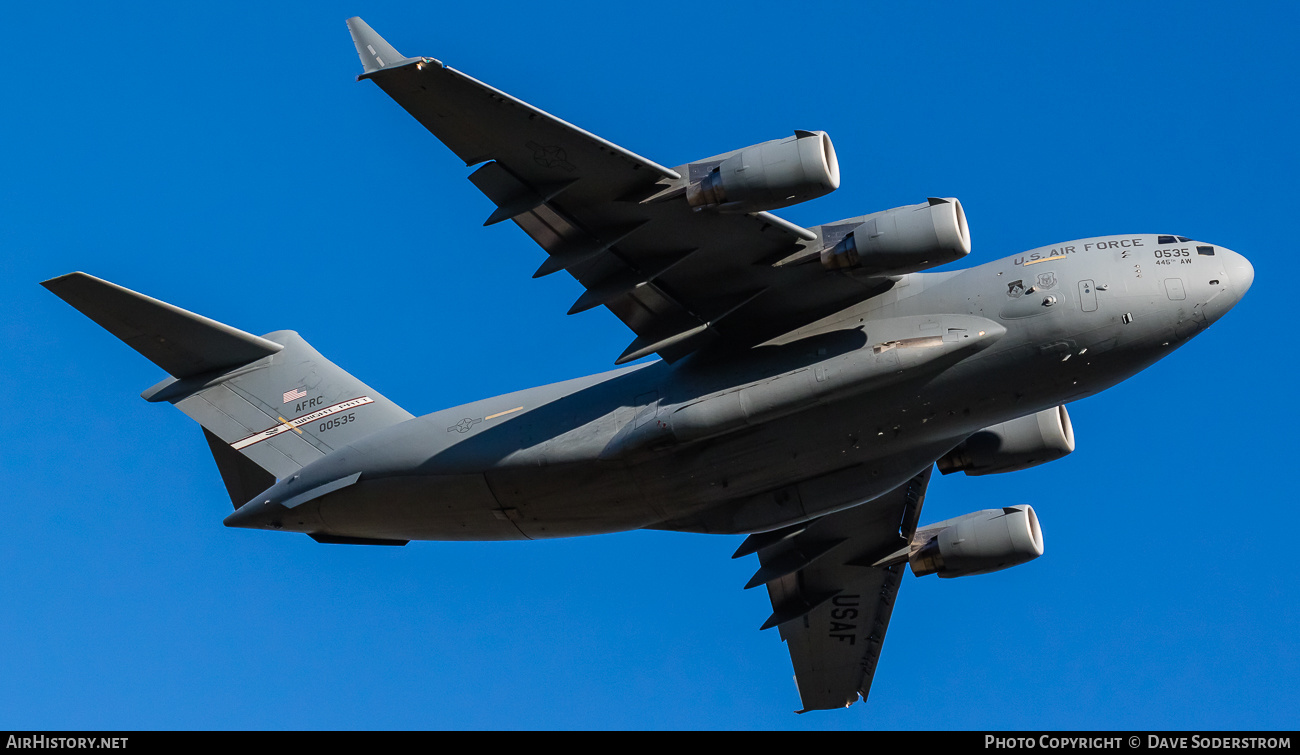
(1208, 251)
(1182, 239)
(1172, 240)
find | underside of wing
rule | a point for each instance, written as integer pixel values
(680, 274)
(830, 602)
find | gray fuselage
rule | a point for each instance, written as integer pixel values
(826, 417)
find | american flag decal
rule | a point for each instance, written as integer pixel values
(294, 395)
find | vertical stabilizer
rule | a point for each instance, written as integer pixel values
(269, 405)
(285, 411)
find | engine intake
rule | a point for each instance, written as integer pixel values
(770, 175)
(1011, 446)
(904, 240)
(979, 543)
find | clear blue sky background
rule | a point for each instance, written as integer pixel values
(223, 158)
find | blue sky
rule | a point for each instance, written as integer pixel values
(223, 158)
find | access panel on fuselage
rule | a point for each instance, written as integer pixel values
(1088, 296)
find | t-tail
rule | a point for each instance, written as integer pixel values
(268, 405)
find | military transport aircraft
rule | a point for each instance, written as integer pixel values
(808, 380)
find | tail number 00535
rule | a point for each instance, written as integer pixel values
(334, 422)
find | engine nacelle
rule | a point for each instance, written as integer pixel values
(1011, 446)
(770, 175)
(904, 240)
(979, 543)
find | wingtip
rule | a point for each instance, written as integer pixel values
(53, 284)
(374, 51)
(50, 281)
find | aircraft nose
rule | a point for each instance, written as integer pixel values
(1240, 272)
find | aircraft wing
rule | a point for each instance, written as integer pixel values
(616, 221)
(830, 604)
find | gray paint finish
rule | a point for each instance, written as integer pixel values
(797, 389)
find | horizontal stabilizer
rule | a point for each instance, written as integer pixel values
(269, 405)
(181, 342)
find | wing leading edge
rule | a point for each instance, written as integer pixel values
(831, 605)
(680, 279)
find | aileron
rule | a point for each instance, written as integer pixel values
(814, 572)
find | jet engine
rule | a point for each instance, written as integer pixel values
(979, 543)
(1011, 446)
(904, 240)
(770, 175)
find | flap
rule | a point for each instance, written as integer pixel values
(831, 604)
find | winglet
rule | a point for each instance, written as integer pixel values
(376, 54)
